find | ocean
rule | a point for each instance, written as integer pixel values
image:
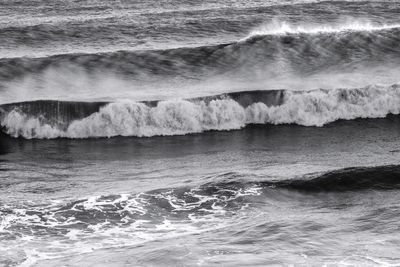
(199, 133)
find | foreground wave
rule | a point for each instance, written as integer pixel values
(135, 218)
(227, 195)
(53, 119)
(229, 191)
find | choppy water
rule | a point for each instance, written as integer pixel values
(243, 133)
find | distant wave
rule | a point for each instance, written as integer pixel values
(282, 49)
(53, 119)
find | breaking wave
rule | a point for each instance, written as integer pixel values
(53, 119)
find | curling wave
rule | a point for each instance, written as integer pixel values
(41, 119)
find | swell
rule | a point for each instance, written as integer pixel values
(53, 119)
(300, 51)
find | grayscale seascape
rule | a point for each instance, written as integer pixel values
(199, 133)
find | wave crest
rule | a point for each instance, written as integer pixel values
(284, 28)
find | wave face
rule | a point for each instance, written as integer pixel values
(54, 112)
(350, 179)
(177, 117)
